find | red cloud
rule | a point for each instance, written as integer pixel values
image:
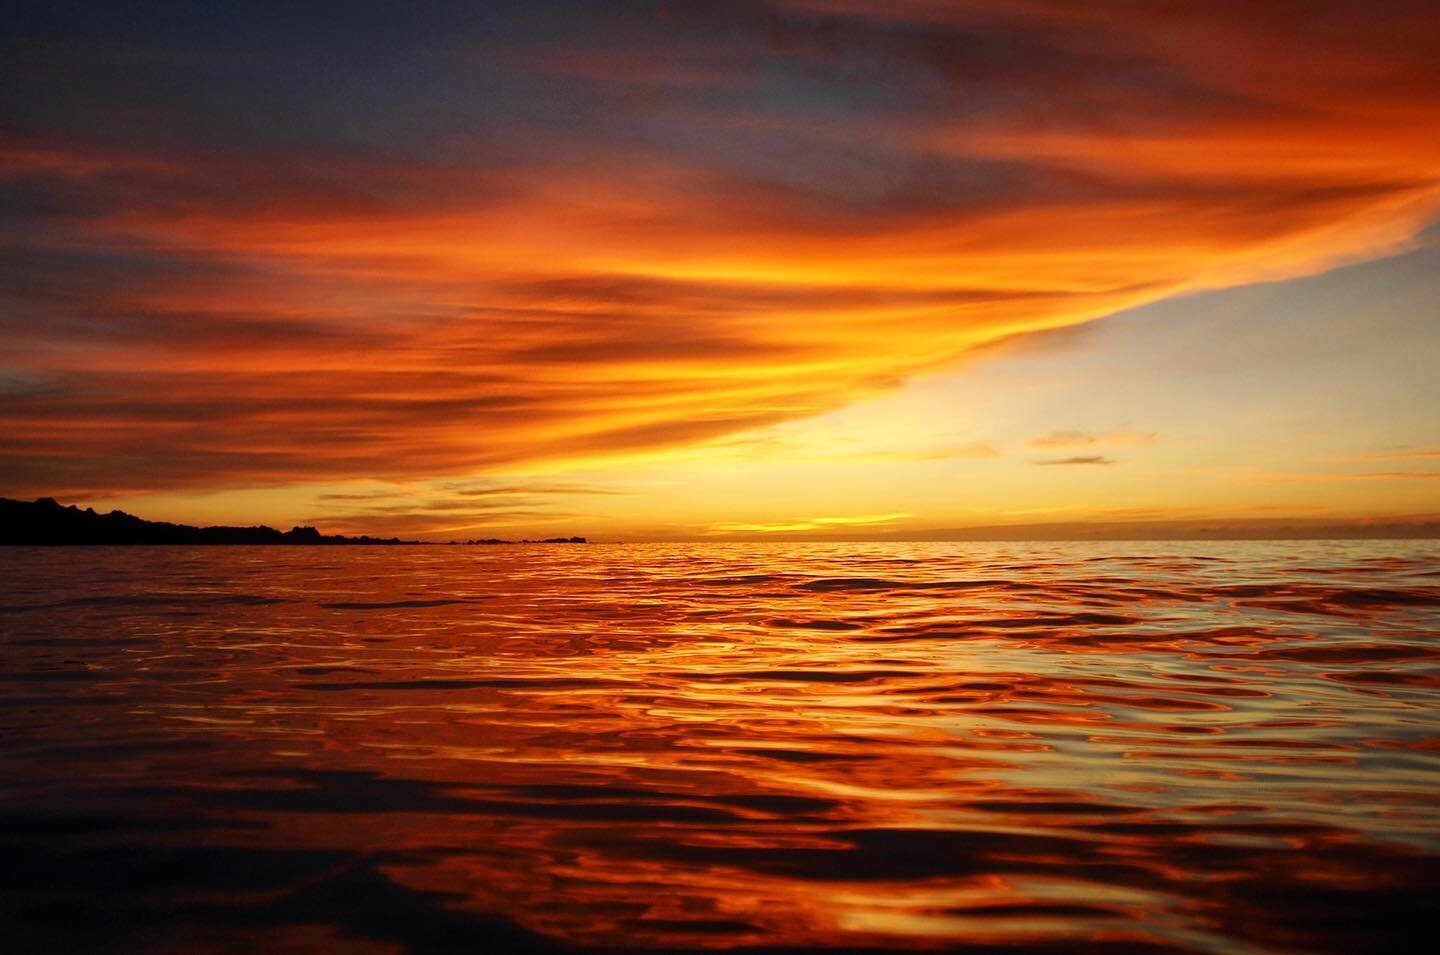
(675, 262)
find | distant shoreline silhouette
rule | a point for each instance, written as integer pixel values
(46, 522)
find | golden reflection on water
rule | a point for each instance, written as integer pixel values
(1219, 747)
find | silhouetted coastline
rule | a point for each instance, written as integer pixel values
(46, 522)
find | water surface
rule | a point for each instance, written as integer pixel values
(1053, 747)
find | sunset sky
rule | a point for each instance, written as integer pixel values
(777, 270)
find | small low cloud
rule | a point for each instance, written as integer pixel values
(1079, 459)
(358, 496)
(1062, 439)
(1114, 438)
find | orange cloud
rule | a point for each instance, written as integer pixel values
(1078, 459)
(1118, 437)
(665, 261)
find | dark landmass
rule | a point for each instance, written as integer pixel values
(46, 522)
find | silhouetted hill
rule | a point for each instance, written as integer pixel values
(47, 522)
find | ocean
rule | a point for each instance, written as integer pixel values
(1070, 747)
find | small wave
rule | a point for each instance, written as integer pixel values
(784, 624)
(827, 584)
(1345, 653)
(1383, 597)
(742, 580)
(806, 676)
(458, 684)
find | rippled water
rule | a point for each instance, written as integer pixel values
(1130, 747)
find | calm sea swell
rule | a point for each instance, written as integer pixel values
(1047, 747)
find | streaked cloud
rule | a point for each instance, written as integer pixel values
(1308, 477)
(1397, 454)
(546, 489)
(809, 524)
(1118, 437)
(581, 234)
(1078, 459)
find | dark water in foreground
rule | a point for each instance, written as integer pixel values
(1129, 747)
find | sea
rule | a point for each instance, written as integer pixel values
(1228, 747)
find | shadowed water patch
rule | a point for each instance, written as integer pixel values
(122, 601)
(862, 584)
(430, 683)
(137, 897)
(783, 624)
(805, 676)
(395, 604)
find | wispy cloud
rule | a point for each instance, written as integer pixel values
(653, 238)
(1078, 459)
(1116, 437)
(358, 497)
(549, 489)
(809, 524)
(1396, 454)
(862, 519)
